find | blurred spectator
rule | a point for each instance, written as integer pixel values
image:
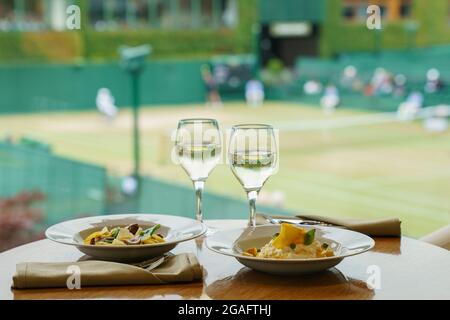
(400, 85)
(312, 87)
(368, 90)
(408, 110)
(254, 93)
(19, 218)
(434, 82)
(106, 104)
(212, 94)
(381, 82)
(350, 79)
(330, 99)
(349, 76)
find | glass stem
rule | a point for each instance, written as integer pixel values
(199, 186)
(252, 196)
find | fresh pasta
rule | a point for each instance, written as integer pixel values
(123, 236)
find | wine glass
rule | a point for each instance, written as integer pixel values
(253, 158)
(198, 148)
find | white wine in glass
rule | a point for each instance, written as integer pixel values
(199, 160)
(252, 169)
(253, 158)
(198, 149)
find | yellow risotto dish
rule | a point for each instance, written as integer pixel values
(292, 242)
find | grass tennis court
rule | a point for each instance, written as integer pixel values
(372, 170)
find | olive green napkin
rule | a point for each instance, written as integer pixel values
(372, 227)
(177, 268)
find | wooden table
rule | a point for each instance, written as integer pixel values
(409, 269)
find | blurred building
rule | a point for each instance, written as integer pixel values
(201, 28)
(32, 29)
(103, 15)
(290, 28)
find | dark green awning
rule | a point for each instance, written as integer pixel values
(292, 10)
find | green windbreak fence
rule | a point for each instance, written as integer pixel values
(29, 88)
(158, 196)
(71, 188)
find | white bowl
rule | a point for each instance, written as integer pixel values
(174, 229)
(234, 242)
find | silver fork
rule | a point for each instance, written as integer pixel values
(295, 221)
(152, 263)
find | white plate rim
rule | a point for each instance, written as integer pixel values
(311, 260)
(129, 215)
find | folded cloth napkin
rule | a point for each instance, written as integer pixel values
(376, 228)
(177, 268)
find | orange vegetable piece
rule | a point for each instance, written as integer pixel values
(252, 251)
(289, 234)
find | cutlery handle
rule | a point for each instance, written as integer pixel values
(298, 222)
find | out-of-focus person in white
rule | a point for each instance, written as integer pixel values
(106, 104)
(254, 93)
(409, 109)
(382, 82)
(434, 82)
(330, 99)
(350, 80)
(312, 87)
(400, 81)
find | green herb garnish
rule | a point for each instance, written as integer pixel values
(324, 246)
(293, 246)
(115, 232)
(309, 237)
(149, 232)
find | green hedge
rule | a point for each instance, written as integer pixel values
(166, 44)
(38, 47)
